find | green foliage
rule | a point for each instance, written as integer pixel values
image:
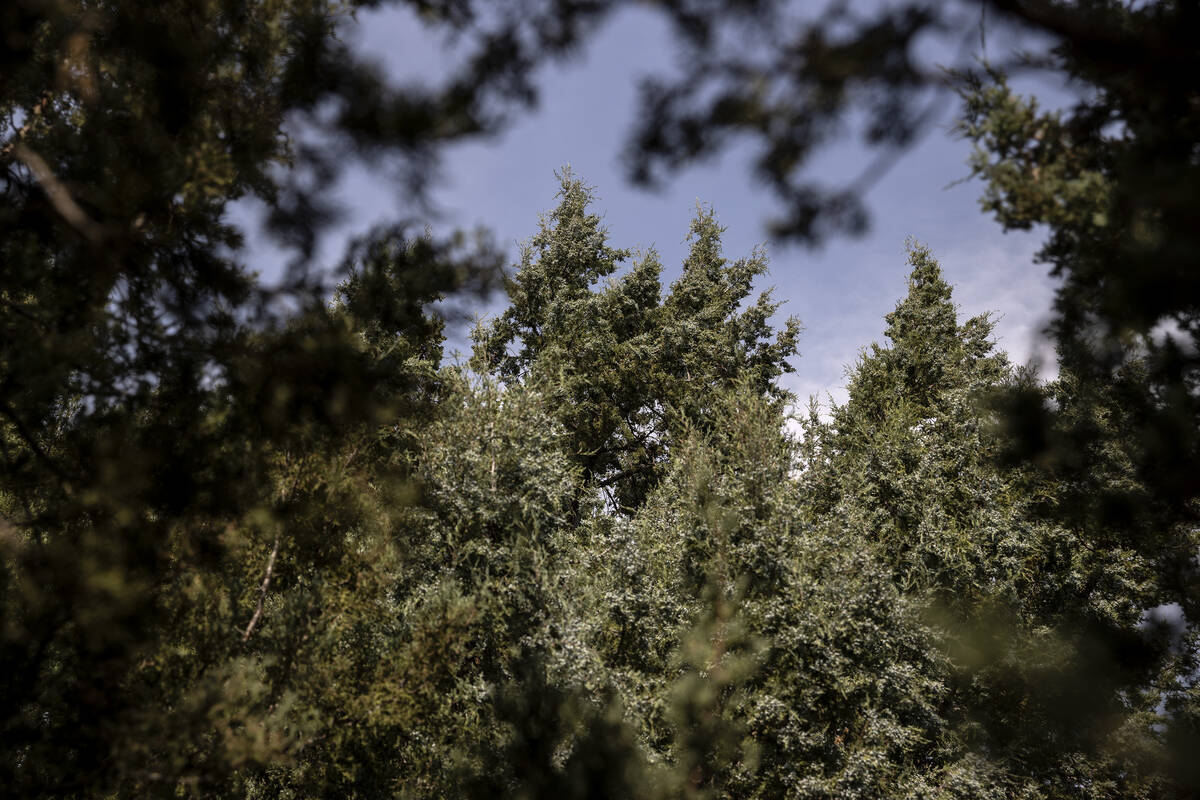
(1113, 180)
(626, 368)
(257, 541)
(1033, 619)
(1099, 179)
(426, 589)
(840, 697)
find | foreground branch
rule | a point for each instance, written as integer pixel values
(59, 197)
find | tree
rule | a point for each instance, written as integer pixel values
(908, 447)
(625, 367)
(803, 671)
(220, 501)
(1114, 185)
(160, 616)
(178, 440)
(1052, 674)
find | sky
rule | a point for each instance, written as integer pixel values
(840, 292)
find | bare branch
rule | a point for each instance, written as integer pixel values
(262, 591)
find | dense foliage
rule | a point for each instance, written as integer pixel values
(260, 541)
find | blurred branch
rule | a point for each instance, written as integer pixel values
(20, 311)
(59, 196)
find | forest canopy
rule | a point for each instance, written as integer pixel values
(263, 541)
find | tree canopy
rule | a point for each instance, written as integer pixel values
(258, 540)
(625, 367)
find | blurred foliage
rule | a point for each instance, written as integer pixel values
(257, 540)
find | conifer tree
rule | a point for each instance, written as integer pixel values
(912, 461)
(625, 367)
(908, 448)
(821, 678)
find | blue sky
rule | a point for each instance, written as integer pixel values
(840, 292)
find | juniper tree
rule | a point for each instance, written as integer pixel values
(806, 672)
(913, 461)
(205, 492)
(626, 367)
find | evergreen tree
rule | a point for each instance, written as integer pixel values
(1113, 181)
(807, 673)
(256, 544)
(625, 367)
(912, 461)
(908, 447)
(173, 443)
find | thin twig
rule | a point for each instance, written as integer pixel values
(16, 308)
(262, 591)
(31, 440)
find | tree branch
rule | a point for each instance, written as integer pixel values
(59, 196)
(29, 439)
(262, 591)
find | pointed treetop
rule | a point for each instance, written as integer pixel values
(571, 244)
(930, 356)
(630, 369)
(557, 269)
(927, 312)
